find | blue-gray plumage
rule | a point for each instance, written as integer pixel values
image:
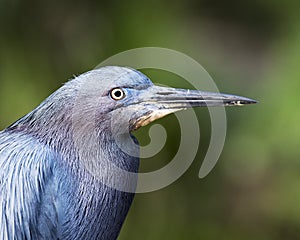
(46, 190)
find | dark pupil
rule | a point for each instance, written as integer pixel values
(118, 94)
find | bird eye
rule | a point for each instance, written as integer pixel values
(117, 94)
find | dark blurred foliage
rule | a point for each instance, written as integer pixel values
(250, 48)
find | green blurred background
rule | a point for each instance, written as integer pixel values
(250, 48)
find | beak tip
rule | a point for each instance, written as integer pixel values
(238, 101)
(244, 102)
(251, 101)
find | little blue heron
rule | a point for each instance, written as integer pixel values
(46, 190)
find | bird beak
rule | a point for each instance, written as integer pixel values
(159, 101)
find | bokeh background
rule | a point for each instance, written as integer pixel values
(250, 48)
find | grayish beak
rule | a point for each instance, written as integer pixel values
(160, 101)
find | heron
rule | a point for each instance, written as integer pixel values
(47, 188)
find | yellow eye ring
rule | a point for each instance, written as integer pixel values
(117, 94)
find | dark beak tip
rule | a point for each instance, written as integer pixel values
(251, 101)
(241, 102)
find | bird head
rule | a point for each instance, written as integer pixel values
(128, 100)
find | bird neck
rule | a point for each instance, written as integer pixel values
(84, 145)
(87, 154)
